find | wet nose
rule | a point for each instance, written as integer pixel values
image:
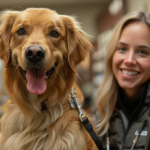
(130, 58)
(35, 53)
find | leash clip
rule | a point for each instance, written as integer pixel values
(76, 103)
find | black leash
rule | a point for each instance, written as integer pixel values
(92, 133)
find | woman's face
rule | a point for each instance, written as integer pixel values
(131, 60)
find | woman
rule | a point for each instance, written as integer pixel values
(124, 95)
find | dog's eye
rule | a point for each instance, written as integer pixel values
(21, 31)
(54, 34)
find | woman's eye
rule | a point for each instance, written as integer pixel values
(143, 52)
(21, 31)
(122, 49)
(54, 34)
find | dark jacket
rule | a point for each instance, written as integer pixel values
(133, 131)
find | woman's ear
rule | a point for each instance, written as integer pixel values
(7, 19)
(77, 42)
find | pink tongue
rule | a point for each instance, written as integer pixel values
(36, 81)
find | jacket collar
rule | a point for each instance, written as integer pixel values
(144, 98)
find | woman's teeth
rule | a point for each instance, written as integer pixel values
(129, 72)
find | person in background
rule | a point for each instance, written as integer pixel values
(124, 94)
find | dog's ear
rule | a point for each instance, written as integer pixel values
(77, 42)
(7, 19)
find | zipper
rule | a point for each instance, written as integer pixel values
(121, 146)
(134, 141)
(107, 141)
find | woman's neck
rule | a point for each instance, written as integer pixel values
(131, 94)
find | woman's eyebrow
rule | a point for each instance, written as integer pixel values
(122, 43)
(144, 46)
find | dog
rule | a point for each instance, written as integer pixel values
(41, 51)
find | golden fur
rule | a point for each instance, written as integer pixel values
(24, 126)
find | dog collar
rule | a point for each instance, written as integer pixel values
(43, 105)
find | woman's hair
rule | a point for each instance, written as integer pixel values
(107, 92)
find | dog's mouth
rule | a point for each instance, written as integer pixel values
(36, 79)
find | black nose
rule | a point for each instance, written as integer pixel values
(35, 53)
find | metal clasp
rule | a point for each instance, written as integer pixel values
(76, 103)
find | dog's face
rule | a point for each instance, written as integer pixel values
(38, 43)
(41, 50)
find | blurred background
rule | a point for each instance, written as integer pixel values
(97, 18)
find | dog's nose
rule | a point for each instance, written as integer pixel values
(34, 53)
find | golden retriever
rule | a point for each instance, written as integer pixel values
(40, 50)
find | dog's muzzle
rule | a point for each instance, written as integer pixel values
(34, 74)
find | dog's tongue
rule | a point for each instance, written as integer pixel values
(36, 81)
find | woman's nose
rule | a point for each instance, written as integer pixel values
(130, 58)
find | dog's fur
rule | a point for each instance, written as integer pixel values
(24, 126)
